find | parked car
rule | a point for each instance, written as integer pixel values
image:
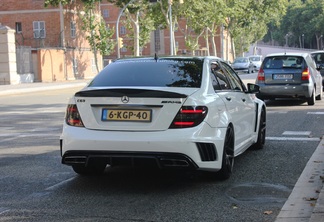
(289, 75)
(318, 57)
(243, 64)
(256, 60)
(170, 112)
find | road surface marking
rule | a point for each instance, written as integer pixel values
(296, 133)
(293, 138)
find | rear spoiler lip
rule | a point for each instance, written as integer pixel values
(142, 93)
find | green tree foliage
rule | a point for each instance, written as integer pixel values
(301, 26)
(66, 2)
(247, 20)
(98, 35)
(138, 21)
(195, 23)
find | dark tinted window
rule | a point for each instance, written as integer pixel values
(233, 78)
(279, 62)
(219, 79)
(255, 58)
(241, 60)
(164, 72)
(318, 58)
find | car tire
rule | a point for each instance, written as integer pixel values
(228, 155)
(319, 97)
(96, 169)
(261, 133)
(311, 100)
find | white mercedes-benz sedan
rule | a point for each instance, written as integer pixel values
(190, 113)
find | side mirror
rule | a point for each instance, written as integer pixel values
(253, 88)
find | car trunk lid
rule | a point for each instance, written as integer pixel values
(130, 109)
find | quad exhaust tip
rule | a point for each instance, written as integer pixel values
(174, 163)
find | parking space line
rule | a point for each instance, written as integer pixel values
(316, 113)
(296, 133)
(293, 138)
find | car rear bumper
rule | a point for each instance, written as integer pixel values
(285, 91)
(242, 69)
(198, 148)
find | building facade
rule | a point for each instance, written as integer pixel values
(57, 46)
(160, 39)
(51, 45)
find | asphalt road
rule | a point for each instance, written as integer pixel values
(35, 186)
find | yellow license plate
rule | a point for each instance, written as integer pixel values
(127, 115)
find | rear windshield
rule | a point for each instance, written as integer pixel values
(318, 58)
(166, 72)
(255, 58)
(241, 60)
(279, 62)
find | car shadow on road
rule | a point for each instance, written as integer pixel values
(286, 102)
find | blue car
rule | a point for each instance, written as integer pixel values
(290, 75)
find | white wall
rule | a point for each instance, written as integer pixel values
(268, 49)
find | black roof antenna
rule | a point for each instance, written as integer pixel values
(156, 57)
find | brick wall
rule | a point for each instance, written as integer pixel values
(55, 52)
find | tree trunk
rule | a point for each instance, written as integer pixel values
(137, 30)
(207, 42)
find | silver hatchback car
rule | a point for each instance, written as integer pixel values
(289, 75)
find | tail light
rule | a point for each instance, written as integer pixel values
(72, 116)
(261, 77)
(305, 75)
(189, 116)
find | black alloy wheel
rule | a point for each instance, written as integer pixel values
(228, 155)
(311, 100)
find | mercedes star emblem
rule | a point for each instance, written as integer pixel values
(125, 99)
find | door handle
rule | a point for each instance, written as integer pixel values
(228, 98)
(243, 99)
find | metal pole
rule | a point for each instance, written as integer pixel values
(117, 28)
(171, 31)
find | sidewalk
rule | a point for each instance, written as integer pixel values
(306, 201)
(39, 86)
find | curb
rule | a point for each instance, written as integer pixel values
(34, 87)
(306, 201)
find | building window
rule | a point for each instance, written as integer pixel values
(123, 30)
(124, 48)
(73, 29)
(105, 13)
(75, 66)
(18, 27)
(93, 66)
(157, 40)
(39, 29)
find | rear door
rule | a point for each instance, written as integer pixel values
(239, 105)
